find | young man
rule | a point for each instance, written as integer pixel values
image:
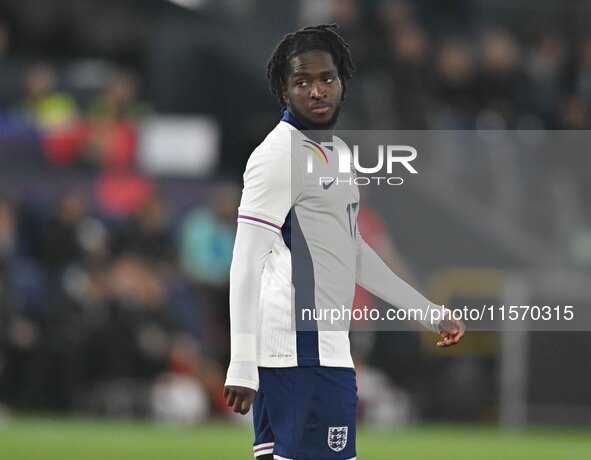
(297, 246)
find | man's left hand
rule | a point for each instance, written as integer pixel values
(452, 330)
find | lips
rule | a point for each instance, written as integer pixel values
(320, 108)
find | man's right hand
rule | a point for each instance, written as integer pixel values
(239, 398)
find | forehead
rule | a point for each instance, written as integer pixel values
(314, 61)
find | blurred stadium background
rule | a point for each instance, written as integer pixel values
(125, 126)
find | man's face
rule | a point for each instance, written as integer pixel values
(313, 89)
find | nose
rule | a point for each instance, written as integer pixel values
(315, 92)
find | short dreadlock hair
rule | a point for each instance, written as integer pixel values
(322, 37)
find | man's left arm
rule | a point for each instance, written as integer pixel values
(374, 275)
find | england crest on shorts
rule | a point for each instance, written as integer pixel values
(337, 437)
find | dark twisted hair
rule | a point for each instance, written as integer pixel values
(322, 37)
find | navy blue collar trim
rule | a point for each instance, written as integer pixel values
(289, 118)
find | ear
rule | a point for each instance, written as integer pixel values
(284, 96)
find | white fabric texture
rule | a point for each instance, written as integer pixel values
(328, 245)
(251, 249)
(375, 276)
(268, 192)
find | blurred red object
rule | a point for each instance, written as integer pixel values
(63, 145)
(122, 193)
(109, 145)
(121, 145)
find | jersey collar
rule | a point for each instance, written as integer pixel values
(293, 121)
(289, 118)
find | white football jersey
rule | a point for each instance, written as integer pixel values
(313, 261)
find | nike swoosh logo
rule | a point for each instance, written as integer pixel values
(326, 185)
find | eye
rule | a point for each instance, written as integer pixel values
(301, 83)
(329, 79)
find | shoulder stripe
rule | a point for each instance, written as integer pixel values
(260, 220)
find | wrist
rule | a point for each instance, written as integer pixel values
(243, 374)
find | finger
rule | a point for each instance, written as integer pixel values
(446, 342)
(246, 405)
(231, 398)
(238, 403)
(226, 392)
(250, 398)
(458, 336)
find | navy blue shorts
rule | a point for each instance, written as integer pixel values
(306, 413)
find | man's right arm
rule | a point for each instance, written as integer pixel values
(253, 245)
(267, 197)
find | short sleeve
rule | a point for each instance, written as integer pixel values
(267, 194)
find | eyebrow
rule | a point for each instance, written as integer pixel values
(305, 74)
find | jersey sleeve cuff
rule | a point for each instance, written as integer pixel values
(254, 385)
(259, 219)
(434, 324)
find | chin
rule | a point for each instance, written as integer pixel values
(313, 122)
(320, 124)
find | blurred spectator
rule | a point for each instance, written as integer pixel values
(63, 241)
(122, 193)
(110, 338)
(20, 322)
(139, 322)
(24, 281)
(394, 14)
(7, 230)
(111, 137)
(206, 242)
(9, 70)
(500, 83)
(207, 239)
(54, 113)
(353, 22)
(43, 104)
(148, 232)
(583, 72)
(448, 16)
(4, 40)
(456, 86)
(574, 113)
(545, 71)
(410, 70)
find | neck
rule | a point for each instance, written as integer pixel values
(322, 135)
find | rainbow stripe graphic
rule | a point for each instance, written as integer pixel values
(317, 149)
